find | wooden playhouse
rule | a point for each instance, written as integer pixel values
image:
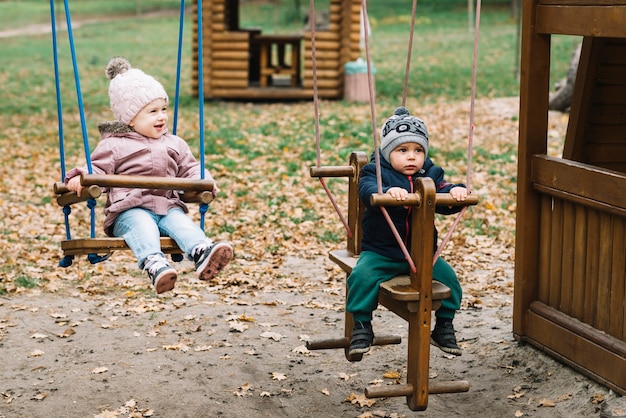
(570, 264)
(250, 64)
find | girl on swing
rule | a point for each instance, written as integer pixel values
(404, 151)
(138, 143)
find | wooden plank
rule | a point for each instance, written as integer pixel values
(321, 46)
(231, 36)
(230, 55)
(230, 46)
(229, 65)
(587, 20)
(556, 241)
(333, 74)
(241, 76)
(229, 83)
(580, 179)
(533, 128)
(603, 362)
(567, 258)
(543, 286)
(605, 234)
(581, 105)
(608, 114)
(591, 269)
(105, 245)
(617, 325)
(606, 153)
(607, 134)
(578, 276)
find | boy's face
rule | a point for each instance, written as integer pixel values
(407, 158)
(151, 121)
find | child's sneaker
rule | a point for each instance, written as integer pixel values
(162, 275)
(444, 338)
(362, 338)
(212, 259)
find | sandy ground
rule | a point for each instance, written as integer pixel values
(198, 353)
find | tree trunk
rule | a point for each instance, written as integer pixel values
(561, 99)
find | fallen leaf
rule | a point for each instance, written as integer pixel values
(99, 370)
(392, 374)
(67, 333)
(273, 335)
(278, 376)
(237, 327)
(35, 353)
(547, 403)
(40, 396)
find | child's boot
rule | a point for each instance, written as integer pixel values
(362, 338)
(443, 337)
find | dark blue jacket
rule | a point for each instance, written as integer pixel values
(377, 235)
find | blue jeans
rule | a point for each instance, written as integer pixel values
(141, 229)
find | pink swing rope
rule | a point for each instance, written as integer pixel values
(317, 118)
(470, 137)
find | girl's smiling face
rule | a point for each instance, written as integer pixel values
(151, 121)
(407, 158)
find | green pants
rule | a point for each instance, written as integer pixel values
(372, 269)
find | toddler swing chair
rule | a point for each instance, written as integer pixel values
(191, 190)
(413, 297)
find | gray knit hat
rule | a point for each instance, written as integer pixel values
(401, 128)
(130, 89)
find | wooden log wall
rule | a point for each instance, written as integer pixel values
(226, 55)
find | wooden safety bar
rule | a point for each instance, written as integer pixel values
(411, 297)
(191, 191)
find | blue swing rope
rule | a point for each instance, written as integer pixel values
(91, 202)
(203, 206)
(68, 259)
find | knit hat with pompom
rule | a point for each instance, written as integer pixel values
(401, 128)
(131, 89)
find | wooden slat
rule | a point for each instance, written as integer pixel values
(580, 180)
(543, 267)
(556, 239)
(591, 271)
(579, 263)
(240, 76)
(587, 20)
(605, 250)
(220, 83)
(617, 323)
(567, 257)
(587, 350)
(105, 245)
(230, 55)
(231, 46)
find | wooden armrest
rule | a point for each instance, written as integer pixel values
(414, 199)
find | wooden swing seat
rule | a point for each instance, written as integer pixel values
(399, 288)
(413, 297)
(192, 191)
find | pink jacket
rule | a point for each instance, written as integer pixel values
(124, 151)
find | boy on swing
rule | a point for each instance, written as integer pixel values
(404, 151)
(138, 143)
